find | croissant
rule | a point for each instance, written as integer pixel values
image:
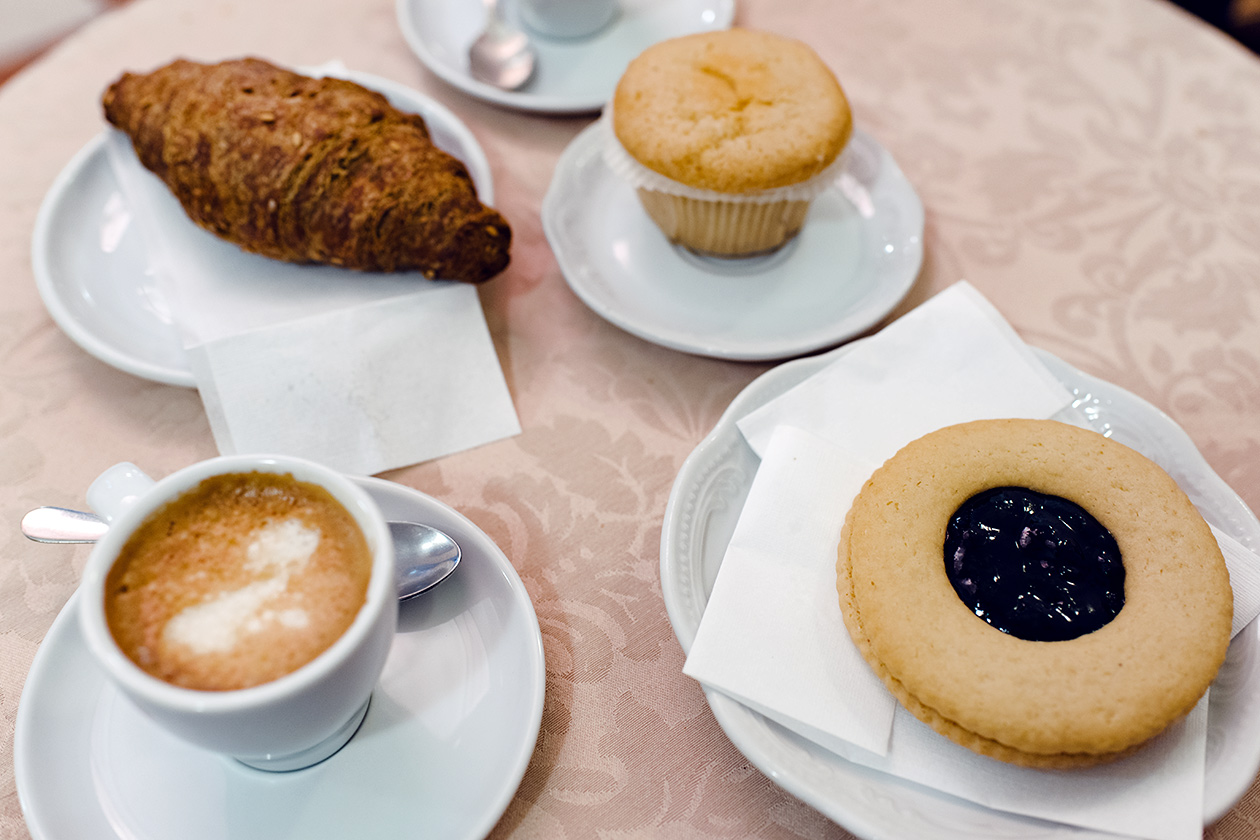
(308, 170)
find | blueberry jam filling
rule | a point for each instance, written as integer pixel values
(1038, 567)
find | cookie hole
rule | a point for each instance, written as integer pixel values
(1036, 566)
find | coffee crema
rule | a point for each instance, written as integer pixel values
(239, 581)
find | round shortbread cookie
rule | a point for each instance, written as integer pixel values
(1042, 704)
(733, 111)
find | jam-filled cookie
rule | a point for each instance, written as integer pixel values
(1034, 591)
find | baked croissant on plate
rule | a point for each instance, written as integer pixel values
(308, 170)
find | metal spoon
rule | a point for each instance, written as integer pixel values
(424, 556)
(501, 56)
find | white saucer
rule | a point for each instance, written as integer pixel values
(571, 76)
(856, 258)
(92, 270)
(445, 743)
(704, 506)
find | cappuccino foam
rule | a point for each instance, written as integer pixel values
(241, 580)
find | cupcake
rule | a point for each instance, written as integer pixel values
(727, 137)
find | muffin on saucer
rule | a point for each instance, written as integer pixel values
(728, 137)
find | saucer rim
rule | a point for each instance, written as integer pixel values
(888, 292)
(408, 24)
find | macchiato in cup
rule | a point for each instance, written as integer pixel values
(245, 603)
(240, 580)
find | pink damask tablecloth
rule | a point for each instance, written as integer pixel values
(1091, 166)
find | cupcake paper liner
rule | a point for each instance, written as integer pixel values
(725, 228)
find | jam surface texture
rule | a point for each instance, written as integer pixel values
(1036, 566)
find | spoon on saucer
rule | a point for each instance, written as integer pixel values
(502, 55)
(424, 556)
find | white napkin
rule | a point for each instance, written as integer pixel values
(362, 372)
(950, 360)
(772, 636)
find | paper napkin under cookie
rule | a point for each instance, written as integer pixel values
(362, 372)
(772, 635)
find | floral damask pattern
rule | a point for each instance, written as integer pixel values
(1100, 162)
(1092, 166)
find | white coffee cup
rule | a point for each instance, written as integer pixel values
(291, 722)
(567, 18)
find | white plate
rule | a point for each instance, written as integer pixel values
(856, 258)
(92, 270)
(704, 506)
(447, 738)
(571, 76)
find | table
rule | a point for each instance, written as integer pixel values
(1092, 167)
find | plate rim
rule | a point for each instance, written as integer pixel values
(735, 719)
(855, 320)
(502, 569)
(409, 26)
(528, 744)
(77, 168)
(53, 290)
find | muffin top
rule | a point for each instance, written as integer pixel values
(734, 111)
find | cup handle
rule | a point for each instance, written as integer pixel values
(117, 489)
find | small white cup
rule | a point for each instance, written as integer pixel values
(294, 721)
(567, 18)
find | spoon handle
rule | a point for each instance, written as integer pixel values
(63, 525)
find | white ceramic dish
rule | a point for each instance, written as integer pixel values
(446, 741)
(704, 506)
(856, 258)
(572, 76)
(92, 270)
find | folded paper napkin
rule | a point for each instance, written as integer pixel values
(772, 636)
(362, 372)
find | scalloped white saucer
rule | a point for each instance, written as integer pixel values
(704, 506)
(92, 270)
(450, 730)
(857, 256)
(572, 76)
